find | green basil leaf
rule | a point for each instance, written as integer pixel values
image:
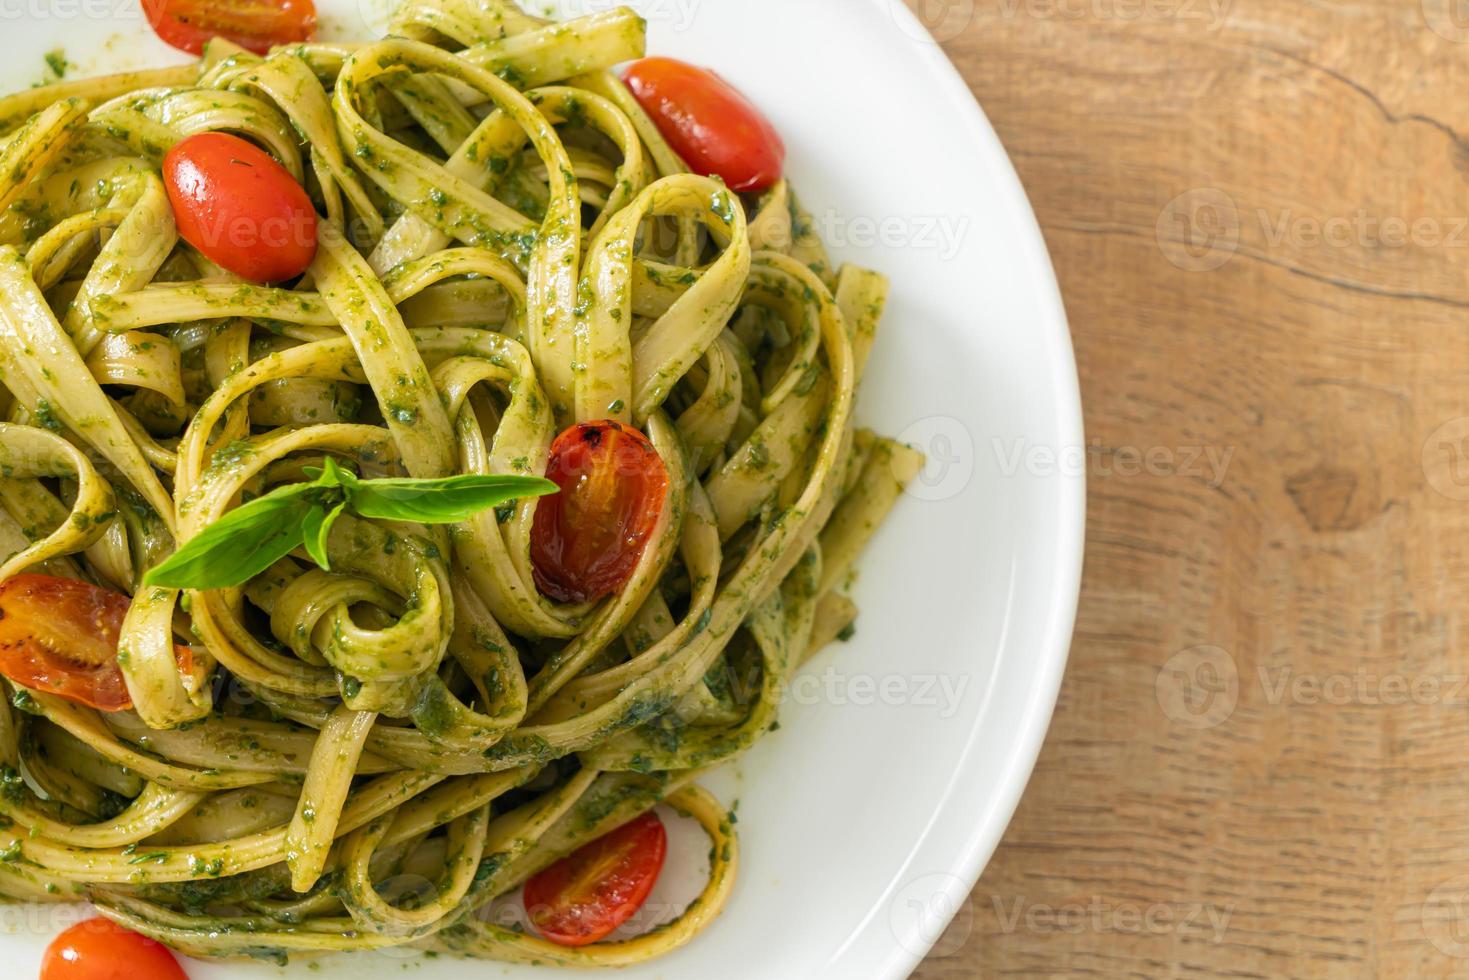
(241, 544)
(445, 501)
(329, 474)
(341, 476)
(316, 529)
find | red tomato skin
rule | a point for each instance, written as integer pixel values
(60, 636)
(587, 539)
(257, 25)
(709, 123)
(100, 949)
(570, 909)
(239, 207)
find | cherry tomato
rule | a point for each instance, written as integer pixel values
(243, 210)
(60, 636)
(254, 24)
(586, 540)
(100, 949)
(586, 896)
(708, 122)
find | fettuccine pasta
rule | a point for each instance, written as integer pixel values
(507, 246)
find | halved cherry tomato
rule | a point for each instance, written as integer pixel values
(708, 122)
(243, 210)
(586, 896)
(60, 636)
(100, 949)
(586, 540)
(254, 24)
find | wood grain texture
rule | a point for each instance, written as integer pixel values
(1259, 215)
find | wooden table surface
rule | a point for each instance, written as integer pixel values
(1259, 215)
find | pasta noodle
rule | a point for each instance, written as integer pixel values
(507, 246)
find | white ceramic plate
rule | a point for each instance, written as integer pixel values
(868, 816)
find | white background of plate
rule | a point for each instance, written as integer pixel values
(863, 824)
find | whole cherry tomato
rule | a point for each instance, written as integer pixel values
(100, 949)
(586, 896)
(60, 636)
(243, 210)
(255, 24)
(587, 539)
(709, 123)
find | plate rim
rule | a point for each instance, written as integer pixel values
(970, 837)
(979, 845)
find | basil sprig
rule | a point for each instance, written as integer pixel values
(254, 536)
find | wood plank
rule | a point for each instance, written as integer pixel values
(1259, 215)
